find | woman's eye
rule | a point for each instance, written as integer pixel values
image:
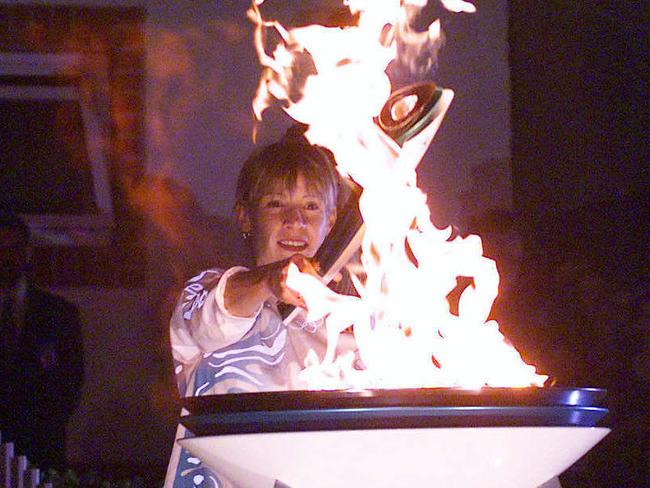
(273, 204)
(312, 206)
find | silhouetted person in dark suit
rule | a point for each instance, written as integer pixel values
(41, 355)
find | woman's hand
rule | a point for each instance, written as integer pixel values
(246, 291)
(277, 279)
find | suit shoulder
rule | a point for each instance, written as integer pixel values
(44, 298)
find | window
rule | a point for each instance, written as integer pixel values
(52, 166)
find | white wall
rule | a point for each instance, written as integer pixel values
(199, 111)
(474, 63)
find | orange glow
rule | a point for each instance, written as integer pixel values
(405, 330)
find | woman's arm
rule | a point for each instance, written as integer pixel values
(246, 291)
(218, 308)
(200, 322)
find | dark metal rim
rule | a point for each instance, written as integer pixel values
(420, 397)
(391, 418)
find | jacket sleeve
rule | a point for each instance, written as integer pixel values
(200, 323)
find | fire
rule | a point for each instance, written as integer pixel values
(404, 328)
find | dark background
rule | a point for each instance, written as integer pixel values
(580, 184)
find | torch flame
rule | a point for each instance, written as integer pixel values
(405, 330)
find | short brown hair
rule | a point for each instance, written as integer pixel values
(283, 162)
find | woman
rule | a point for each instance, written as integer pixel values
(227, 334)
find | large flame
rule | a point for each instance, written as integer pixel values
(407, 334)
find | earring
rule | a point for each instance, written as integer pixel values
(245, 235)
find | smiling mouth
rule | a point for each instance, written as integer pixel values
(292, 245)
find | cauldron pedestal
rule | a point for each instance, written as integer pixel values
(490, 438)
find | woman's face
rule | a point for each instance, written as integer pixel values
(287, 221)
